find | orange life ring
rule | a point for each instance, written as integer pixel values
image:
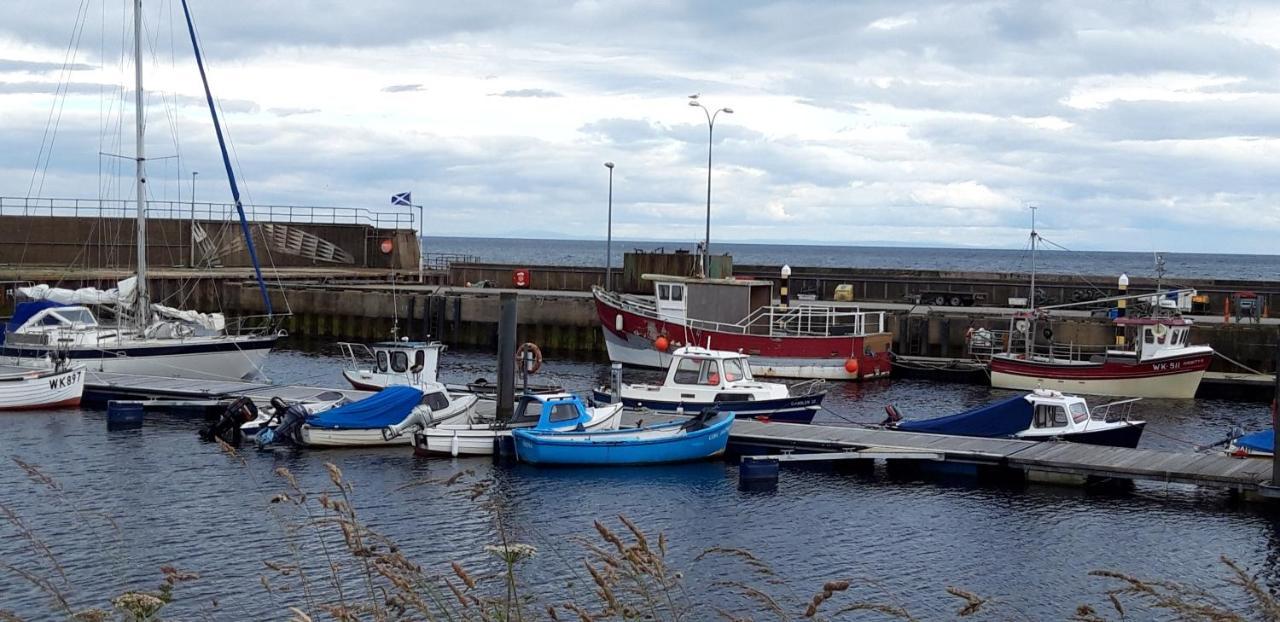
(529, 346)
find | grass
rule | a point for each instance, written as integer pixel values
(339, 568)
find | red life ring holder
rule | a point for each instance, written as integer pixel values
(537, 356)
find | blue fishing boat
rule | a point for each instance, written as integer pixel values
(698, 438)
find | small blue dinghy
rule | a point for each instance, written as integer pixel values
(701, 437)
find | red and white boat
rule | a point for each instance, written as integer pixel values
(1161, 362)
(29, 384)
(806, 340)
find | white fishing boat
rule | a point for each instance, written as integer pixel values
(376, 366)
(564, 411)
(699, 377)
(27, 384)
(143, 338)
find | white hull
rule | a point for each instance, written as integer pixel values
(641, 353)
(42, 389)
(231, 365)
(320, 437)
(477, 439)
(1177, 386)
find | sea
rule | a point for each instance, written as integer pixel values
(87, 513)
(1047, 261)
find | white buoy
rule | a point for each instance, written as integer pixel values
(453, 444)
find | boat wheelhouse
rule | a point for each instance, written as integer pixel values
(800, 340)
(375, 366)
(698, 378)
(1161, 362)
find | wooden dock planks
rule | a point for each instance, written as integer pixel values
(185, 388)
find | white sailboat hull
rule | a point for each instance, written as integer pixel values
(215, 358)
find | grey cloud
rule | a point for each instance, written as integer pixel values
(527, 93)
(9, 64)
(289, 112)
(403, 88)
(51, 87)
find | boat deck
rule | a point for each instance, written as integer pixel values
(1204, 469)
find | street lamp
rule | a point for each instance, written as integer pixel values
(193, 217)
(608, 245)
(711, 126)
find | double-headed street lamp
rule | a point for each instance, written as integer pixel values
(608, 245)
(711, 126)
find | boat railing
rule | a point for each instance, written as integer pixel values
(808, 320)
(984, 343)
(207, 211)
(1114, 411)
(353, 354)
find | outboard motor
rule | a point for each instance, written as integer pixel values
(227, 427)
(290, 427)
(420, 419)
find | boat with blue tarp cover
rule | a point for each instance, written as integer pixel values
(1037, 416)
(363, 423)
(1260, 444)
(703, 436)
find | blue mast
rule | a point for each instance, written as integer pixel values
(226, 162)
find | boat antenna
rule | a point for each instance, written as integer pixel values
(226, 159)
(139, 123)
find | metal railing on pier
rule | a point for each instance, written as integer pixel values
(205, 211)
(807, 320)
(442, 261)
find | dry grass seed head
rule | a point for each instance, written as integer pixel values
(641, 541)
(1262, 599)
(756, 595)
(972, 602)
(462, 574)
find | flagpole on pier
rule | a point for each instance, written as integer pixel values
(406, 199)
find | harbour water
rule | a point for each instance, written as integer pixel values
(1087, 263)
(174, 500)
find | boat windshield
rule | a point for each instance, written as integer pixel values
(77, 315)
(697, 371)
(563, 411)
(734, 370)
(1078, 412)
(1050, 416)
(436, 401)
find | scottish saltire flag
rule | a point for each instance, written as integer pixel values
(404, 198)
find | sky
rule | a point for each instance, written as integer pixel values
(1133, 126)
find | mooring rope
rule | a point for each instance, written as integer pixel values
(1239, 364)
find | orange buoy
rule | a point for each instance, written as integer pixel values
(851, 365)
(661, 344)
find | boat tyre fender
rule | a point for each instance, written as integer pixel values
(527, 347)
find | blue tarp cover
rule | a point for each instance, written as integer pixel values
(1263, 441)
(24, 312)
(388, 407)
(1001, 419)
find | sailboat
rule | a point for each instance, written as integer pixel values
(145, 338)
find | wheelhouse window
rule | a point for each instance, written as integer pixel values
(419, 360)
(382, 360)
(564, 411)
(77, 316)
(1048, 416)
(1078, 412)
(435, 401)
(664, 291)
(677, 293)
(1148, 335)
(399, 362)
(697, 371)
(734, 370)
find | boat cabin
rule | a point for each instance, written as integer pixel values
(43, 322)
(393, 362)
(556, 411)
(710, 300)
(1155, 337)
(1055, 414)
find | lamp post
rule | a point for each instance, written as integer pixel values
(711, 126)
(193, 217)
(608, 245)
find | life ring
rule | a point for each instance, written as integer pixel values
(1160, 330)
(529, 346)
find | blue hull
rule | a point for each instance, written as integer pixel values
(621, 447)
(784, 410)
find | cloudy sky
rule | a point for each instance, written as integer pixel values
(1133, 126)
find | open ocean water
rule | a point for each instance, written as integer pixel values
(171, 499)
(1088, 263)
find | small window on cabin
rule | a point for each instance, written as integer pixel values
(710, 373)
(435, 401)
(1148, 335)
(564, 411)
(1078, 412)
(382, 361)
(51, 320)
(1059, 417)
(687, 371)
(664, 292)
(677, 293)
(1042, 416)
(420, 359)
(733, 370)
(399, 362)
(78, 316)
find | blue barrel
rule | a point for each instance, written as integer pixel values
(124, 415)
(758, 469)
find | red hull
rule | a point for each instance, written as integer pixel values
(75, 401)
(1110, 370)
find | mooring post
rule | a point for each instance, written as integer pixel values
(1275, 421)
(506, 356)
(615, 376)
(784, 290)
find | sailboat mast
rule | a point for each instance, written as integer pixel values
(1031, 299)
(144, 302)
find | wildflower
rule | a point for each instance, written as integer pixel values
(511, 552)
(139, 605)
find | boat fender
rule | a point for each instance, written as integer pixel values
(1048, 333)
(528, 347)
